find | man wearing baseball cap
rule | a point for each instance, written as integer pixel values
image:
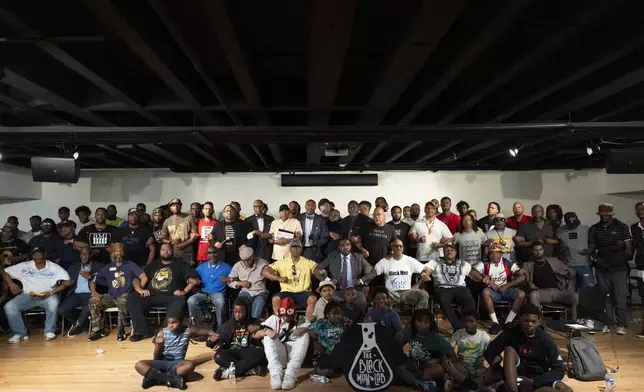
(280, 230)
(611, 245)
(180, 231)
(140, 246)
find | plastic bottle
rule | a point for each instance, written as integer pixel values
(231, 373)
(319, 379)
(609, 382)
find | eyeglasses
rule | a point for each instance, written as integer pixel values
(499, 219)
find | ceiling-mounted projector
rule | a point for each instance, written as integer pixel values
(336, 151)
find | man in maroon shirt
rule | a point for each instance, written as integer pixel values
(518, 219)
(453, 221)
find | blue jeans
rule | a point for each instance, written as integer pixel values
(23, 301)
(585, 276)
(257, 303)
(198, 300)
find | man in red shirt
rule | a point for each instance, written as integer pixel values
(453, 221)
(204, 227)
(518, 219)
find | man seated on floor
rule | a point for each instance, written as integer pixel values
(398, 270)
(170, 280)
(503, 278)
(346, 270)
(247, 276)
(294, 274)
(81, 274)
(528, 352)
(550, 280)
(213, 276)
(449, 275)
(41, 280)
(119, 276)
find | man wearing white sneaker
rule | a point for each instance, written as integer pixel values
(41, 280)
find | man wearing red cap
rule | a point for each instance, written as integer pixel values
(283, 350)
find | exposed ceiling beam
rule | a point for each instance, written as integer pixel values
(547, 46)
(469, 151)
(36, 115)
(238, 151)
(374, 152)
(235, 106)
(34, 90)
(68, 61)
(577, 74)
(352, 154)
(621, 109)
(595, 95)
(475, 47)
(109, 15)
(259, 154)
(217, 13)
(430, 25)
(191, 53)
(129, 156)
(403, 151)
(329, 39)
(204, 153)
(437, 151)
(158, 151)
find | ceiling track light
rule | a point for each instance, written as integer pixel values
(589, 151)
(514, 152)
(75, 155)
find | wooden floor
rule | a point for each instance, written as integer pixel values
(71, 364)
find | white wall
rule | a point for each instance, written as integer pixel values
(579, 191)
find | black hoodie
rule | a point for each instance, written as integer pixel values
(539, 354)
(234, 334)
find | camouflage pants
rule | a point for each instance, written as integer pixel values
(416, 297)
(98, 306)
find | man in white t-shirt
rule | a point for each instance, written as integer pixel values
(41, 281)
(431, 235)
(504, 277)
(449, 275)
(398, 269)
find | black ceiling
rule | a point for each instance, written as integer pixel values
(239, 85)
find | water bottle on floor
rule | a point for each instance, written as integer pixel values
(609, 382)
(231, 373)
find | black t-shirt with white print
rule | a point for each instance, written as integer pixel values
(376, 240)
(99, 239)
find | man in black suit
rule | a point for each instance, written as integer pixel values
(352, 223)
(260, 223)
(315, 233)
(347, 269)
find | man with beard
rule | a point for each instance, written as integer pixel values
(281, 229)
(212, 275)
(99, 236)
(516, 220)
(205, 226)
(48, 241)
(26, 236)
(169, 282)
(69, 250)
(353, 223)
(36, 228)
(112, 219)
(574, 236)
(139, 242)
(247, 276)
(228, 235)
(335, 231)
(81, 274)
(431, 235)
(375, 237)
(315, 233)
(13, 250)
(402, 228)
(537, 229)
(260, 224)
(157, 223)
(180, 231)
(119, 276)
(347, 269)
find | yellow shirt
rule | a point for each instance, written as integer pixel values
(301, 281)
(292, 225)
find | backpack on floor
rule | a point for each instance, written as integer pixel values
(584, 362)
(203, 319)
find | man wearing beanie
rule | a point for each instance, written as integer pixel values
(247, 276)
(574, 236)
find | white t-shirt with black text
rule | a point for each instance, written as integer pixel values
(398, 272)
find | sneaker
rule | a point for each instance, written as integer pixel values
(17, 338)
(137, 337)
(220, 374)
(74, 330)
(121, 336)
(177, 382)
(276, 381)
(289, 382)
(495, 329)
(100, 334)
(621, 331)
(50, 336)
(429, 386)
(605, 329)
(148, 383)
(448, 385)
(640, 334)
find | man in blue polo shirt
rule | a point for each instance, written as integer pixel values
(213, 287)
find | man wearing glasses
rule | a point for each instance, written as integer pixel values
(502, 236)
(294, 274)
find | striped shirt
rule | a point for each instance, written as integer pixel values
(175, 345)
(602, 237)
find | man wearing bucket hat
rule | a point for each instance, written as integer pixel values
(611, 247)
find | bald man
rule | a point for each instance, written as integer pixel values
(518, 218)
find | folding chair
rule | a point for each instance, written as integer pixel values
(548, 309)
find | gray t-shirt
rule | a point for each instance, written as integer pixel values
(469, 246)
(576, 240)
(531, 232)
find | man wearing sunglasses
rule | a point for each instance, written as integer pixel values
(213, 276)
(502, 236)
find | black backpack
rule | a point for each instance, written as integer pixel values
(203, 319)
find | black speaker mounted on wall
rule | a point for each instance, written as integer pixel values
(329, 180)
(625, 162)
(53, 169)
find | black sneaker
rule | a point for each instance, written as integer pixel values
(100, 334)
(640, 334)
(495, 329)
(121, 336)
(177, 382)
(219, 374)
(138, 337)
(148, 383)
(74, 330)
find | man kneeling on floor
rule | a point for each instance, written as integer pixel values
(169, 366)
(531, 359)
(235, 344)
